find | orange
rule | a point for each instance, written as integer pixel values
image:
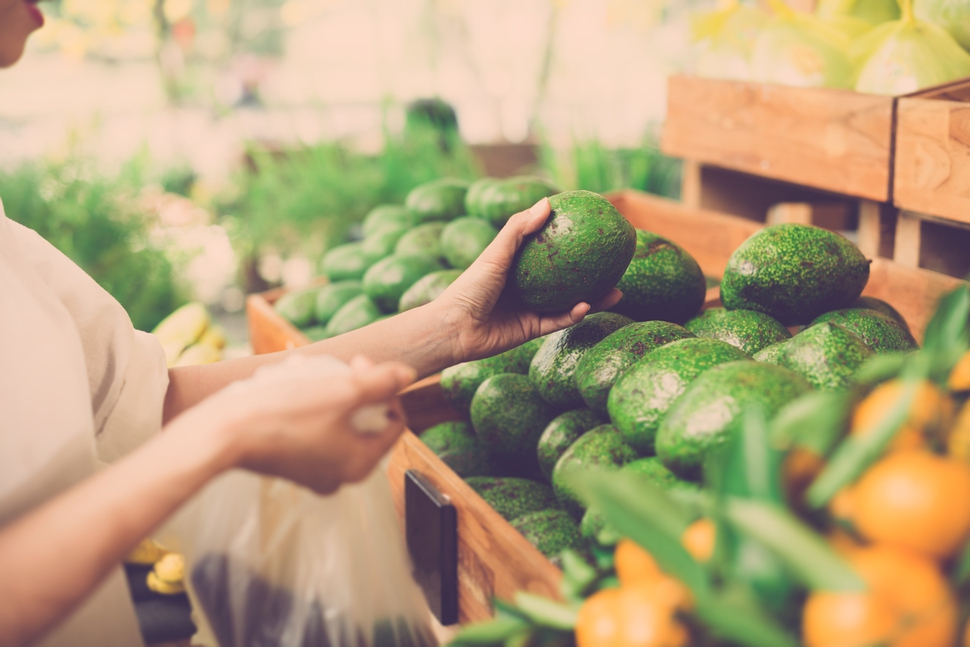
(960, 375)
(929, 415)
(699, 539)
(966, 636)
(958, 442)
(634, 565)
(913, 500)
(845, 620)
(633, 615)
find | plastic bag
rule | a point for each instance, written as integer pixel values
(271, 563)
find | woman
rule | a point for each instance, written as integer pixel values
(80, 388)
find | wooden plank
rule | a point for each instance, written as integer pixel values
(835, 140)
(908, 243)
(877, 228)
(912, 291)
(932, 169)
(268, 331)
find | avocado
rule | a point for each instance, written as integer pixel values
(794, 273)
(502, 199)
(770, 354)
(513, 497)
(474, 194)
(387, 280)
(464, 239)
(356, 313)
(561, 433)
(827, 355)
(509, 416)
(384, 214)
(331, 297)
(702, 419)
(748, 330)
(602, 366)
(382, 242)
(424, 240)
(882, 333)
(459, 382)
(639, 400)
(297, 307)
(442, 199)
(345, 262)
(578, 255)
(880, 306)
(456, 444)
(316, 333)
(553, 369)
(602, 447)
(426, 289)
(550, 531)
(662, 282)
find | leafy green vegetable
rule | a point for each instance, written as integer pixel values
(545, 612)
(816, 421)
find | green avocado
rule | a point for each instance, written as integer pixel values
(880, 306)
(882, 333)
(356, 313)
(442, 199)
(561, 433)
(749, 330)
(509, 416)
(639, 400)
(456, 444)
(578, 255)
(502, 199)
(297, 307)
(331, 297)
(601, 447)
(464, 239)
(459, 382)
(384, 214)
(550, 531)
(702, 419)
(827, 355)
(345, 262)
(662, 282)
(316, 333)
(424, 240)
(474, 194)
(553, 369)
(770, 354)
(794, 273)
(513, 497)
(604, 363)
(426, 289)
(387, 280)
(382, 242)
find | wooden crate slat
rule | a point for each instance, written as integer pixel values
(835, 140)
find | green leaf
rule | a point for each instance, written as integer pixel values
(497, 630)
(643, 512)
(815, 421)
(545, 612)
(577, 574)
(742, 624)
(880, 368)
(803, 551)
(859, 451)
(949, 326)
(961, 574)
(753, 467)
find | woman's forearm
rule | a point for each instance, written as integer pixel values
(53, 556)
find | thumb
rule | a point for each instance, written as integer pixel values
(382, 382)
(502, 249)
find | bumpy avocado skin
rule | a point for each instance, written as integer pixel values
(384, 214)
(662, 282)
(601, 447)
(561, 433)
(882, 333)
(382, 242)
(345, 262)
(356, 313)
(553, 369)
(386, 281)
(505, 198)
(464, 239)
(550, 531)
(332, 296)
(426, 289)
(578, 255)
(640, 399)
(509, 416)
(794, 273)
(513, 497)
(456, 444)
(459, 382)
(881, 306)
(602, 365)
(827, 355)
(770, 354)
(423, 240)
(748, 330)
(702, 419)
(442, 199)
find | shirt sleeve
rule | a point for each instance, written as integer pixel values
(126, 368)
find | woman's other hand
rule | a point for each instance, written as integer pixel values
(486, 320)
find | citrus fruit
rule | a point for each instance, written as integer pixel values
(699, 539)
(633, 615)
(929, 415)
(958, 442)
(845, 620)
(633, 563)
(960, 375)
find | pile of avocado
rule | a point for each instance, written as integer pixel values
(409, 254)
(655, 386)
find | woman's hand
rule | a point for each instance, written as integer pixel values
(294, 419)
(486, 320)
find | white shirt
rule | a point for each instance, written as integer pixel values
(79, 387)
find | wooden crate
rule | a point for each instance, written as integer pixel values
(269, 332)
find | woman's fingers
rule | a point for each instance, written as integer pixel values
(501, 250)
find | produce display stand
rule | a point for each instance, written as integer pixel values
(269, 332)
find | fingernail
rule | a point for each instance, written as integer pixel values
(539, 207)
